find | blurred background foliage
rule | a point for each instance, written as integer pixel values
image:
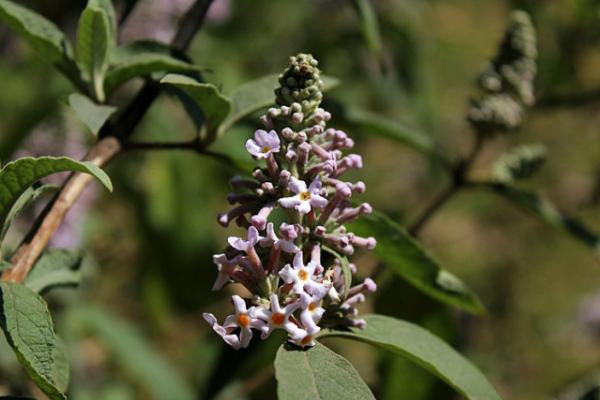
(134, 328)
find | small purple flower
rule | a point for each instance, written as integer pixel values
(279, 317)
(304, 199)
(302, 277)
(242, 319)
(264, 144)
(226, 268)
(245, 245)
(286, 244)
(311, 313)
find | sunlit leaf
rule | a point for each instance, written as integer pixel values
(408, 259)
(420, 346)
(28, 327)
(317, 373)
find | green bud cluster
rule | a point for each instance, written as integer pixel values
(519, 163)
(507, 82)
(300, 84)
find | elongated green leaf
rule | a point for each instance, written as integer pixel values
(132, 353)
(258, 94)
(420, 346)
(369, 26)
(42, 34)
(144, 58)
(109, 10)
(407, 258)
(93, 46)
(543, 209)
(317, 373)
(17, 176)
(215, 105)
(28, 327)
(93, 115)
(373, 124)
(56, 267)
(27, 198)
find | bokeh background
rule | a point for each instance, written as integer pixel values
(134, 328)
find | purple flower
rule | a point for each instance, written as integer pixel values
(264, 144)
(245, 245)
(302, 277)
(226, 268)
(242, 319)
(304, 199)
(311, 313)
(279, 317)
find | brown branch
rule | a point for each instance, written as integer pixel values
(109, 145)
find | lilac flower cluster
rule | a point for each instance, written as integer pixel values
(293, 258)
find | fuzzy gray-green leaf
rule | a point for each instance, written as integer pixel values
(42, 34)
(93, 46)
(215, 106)
(317, 373)
(93, 115)
(407, 258)
(56, 267)
(28, 197)
(420, 346)
(28, 327)
(143, 59)
(17, 176)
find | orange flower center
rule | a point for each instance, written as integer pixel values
(278, 318)
(307, 339)
(265, 149)
(303, 275)
(304, 196)
(243, 320)
(312, 306)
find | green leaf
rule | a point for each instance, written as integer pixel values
(420, 346)
(93, 46)
(93, 115)
(214, 104)
(61, 370)
(109, 10)
(56, 267)
(317, 373)
(407, 258)
(28, 327)
(547, 212)
(369, 26)
(28, 197)
(17, 176)
(132, 353)
(258, 94)
(374, 124)
(142, 59)
(42, 34)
